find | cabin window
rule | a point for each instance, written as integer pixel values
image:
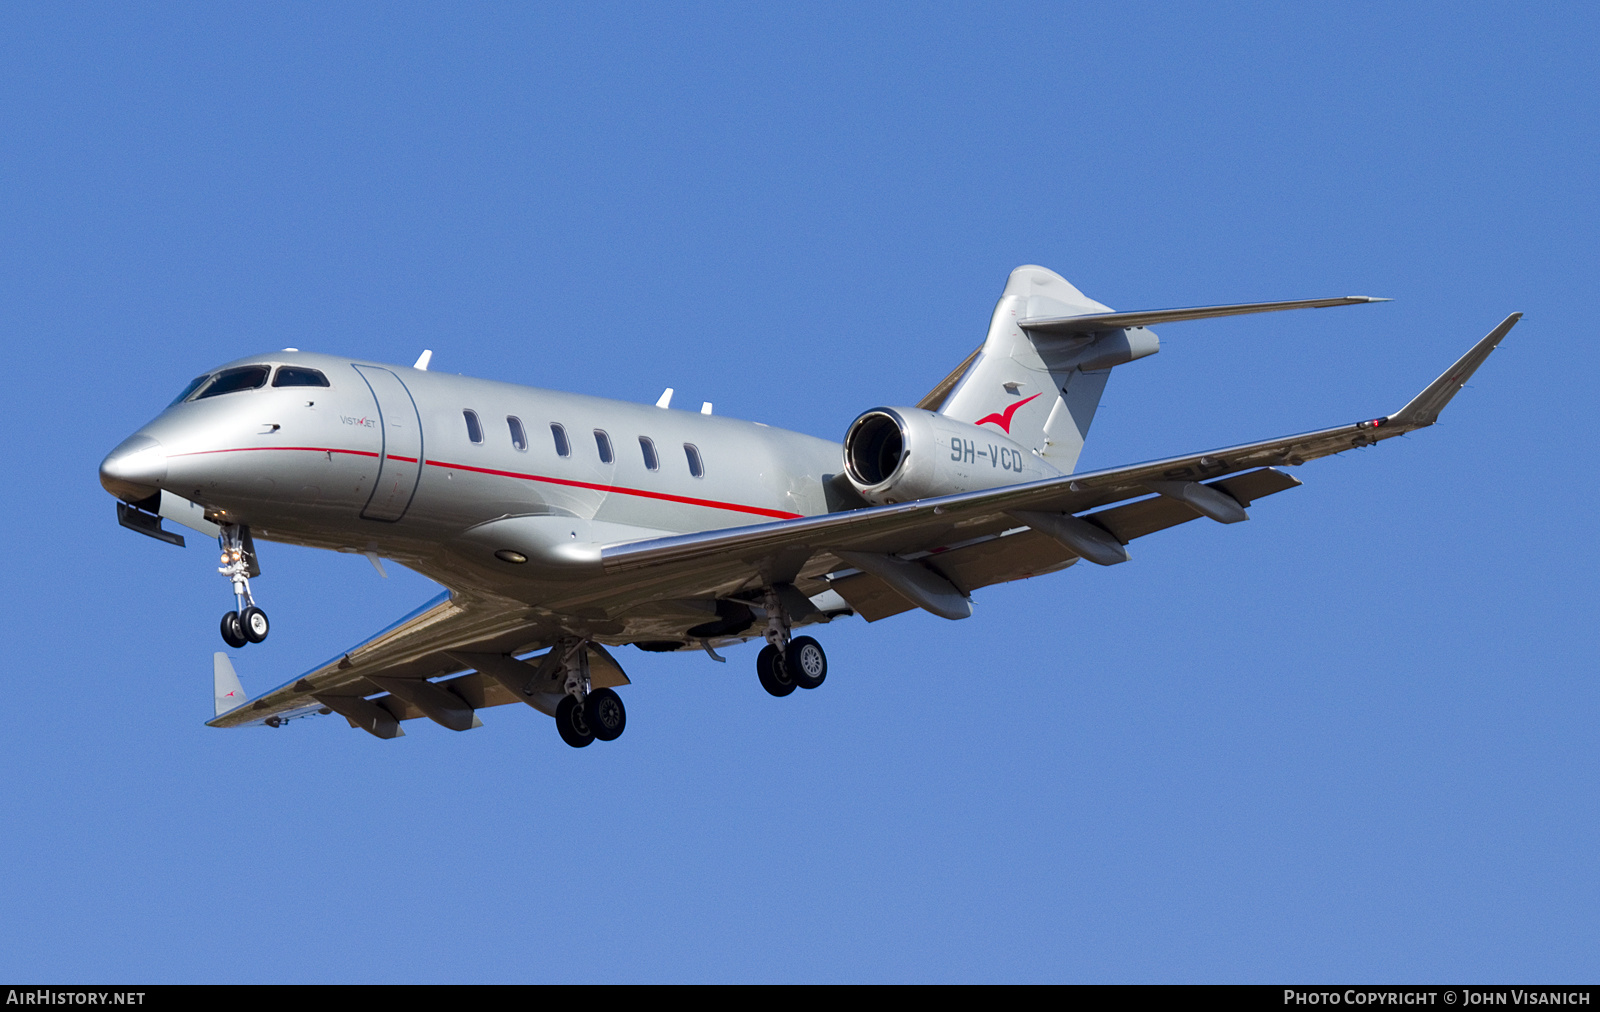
(194, 385)
(647, 447)
(228, 381)
(474, 427)
(519, 438)
(696, 467)
(298, 376)
(602, 442)
(559, 434)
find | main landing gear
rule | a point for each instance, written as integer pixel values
(786, 664)
(246, 623)
(585, 714)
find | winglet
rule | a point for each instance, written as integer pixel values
(423, 360)
(1425, 407)
(225, 681)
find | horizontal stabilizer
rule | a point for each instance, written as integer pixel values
(1090, 323)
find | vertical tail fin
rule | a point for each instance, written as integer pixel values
(1042, 389)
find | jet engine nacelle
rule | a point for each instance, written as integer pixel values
(900, 454)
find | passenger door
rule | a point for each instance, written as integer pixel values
(400, 460)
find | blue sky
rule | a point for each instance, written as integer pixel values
(1352, 739)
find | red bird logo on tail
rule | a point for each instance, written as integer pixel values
(1004, 418)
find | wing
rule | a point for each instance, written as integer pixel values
(454, 632)
(946, 538)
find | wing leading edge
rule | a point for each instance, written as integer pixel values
(932, 525)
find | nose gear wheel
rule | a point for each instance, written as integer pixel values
(246, 623)
(232, 633)
(253, 623)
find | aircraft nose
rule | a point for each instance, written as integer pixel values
(135, 469)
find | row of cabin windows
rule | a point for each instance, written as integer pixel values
(602, 442)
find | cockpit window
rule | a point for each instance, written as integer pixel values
(229, 381)
(194, 385)
(298, 376)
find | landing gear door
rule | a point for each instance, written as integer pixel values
(400, 460)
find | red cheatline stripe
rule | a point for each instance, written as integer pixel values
(308, 449)
(642, 493)
(621, 490)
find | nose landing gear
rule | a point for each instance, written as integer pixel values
(246, 623)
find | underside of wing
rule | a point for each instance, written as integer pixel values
(390, 677)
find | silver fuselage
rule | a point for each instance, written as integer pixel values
(381, 461)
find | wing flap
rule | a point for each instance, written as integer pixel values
(870, 597)
(1025, 553)
(1147, 516)
(1014, 556)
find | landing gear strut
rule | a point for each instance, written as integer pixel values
(246, 623)
(785, 664)
(586, 714)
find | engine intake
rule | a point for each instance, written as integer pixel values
(900, 454)
(875, 447)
